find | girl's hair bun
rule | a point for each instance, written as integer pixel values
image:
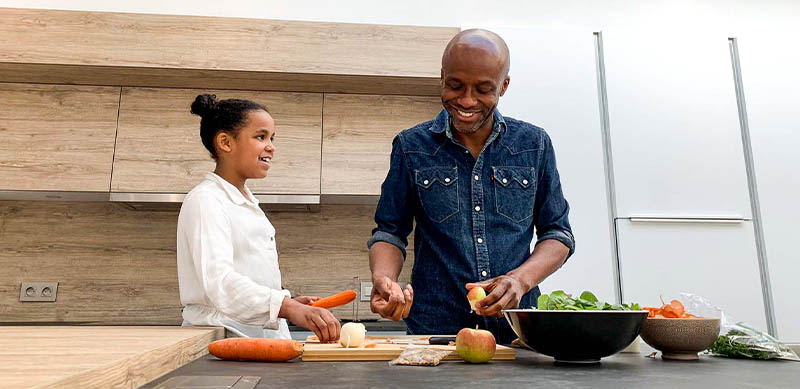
(203, 105)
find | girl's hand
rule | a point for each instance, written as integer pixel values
(306, 300)
(318, 320)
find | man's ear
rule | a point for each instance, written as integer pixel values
(223, 141)
(505, 85)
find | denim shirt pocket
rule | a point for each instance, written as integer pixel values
(438, 191)
(515, 191)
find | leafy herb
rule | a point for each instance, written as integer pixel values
(561, 301)
(731, 345)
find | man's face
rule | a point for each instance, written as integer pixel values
(472, 82)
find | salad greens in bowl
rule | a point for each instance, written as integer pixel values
(581, 329)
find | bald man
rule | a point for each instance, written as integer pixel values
(478, 185)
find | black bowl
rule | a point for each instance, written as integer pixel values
(576, 336)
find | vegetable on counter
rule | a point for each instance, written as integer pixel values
(725, 345)
(352, 335)
(256, 349)
(673, 310)
(335, 300)
(561, 301)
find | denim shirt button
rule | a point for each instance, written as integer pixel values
(505, 181)
(480, 240)
(524, 182)
(446, 180)
(483, 273)
(425, 182)
(477, 208)
(477, 177)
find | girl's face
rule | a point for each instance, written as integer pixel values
(252, 151)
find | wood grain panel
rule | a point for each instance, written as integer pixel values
(113, 265)
(357, 138)
(159, 148)
(117, 266)
(215, 43)
(97, 357)
(57, 137)
(218, 79)
(320, 253)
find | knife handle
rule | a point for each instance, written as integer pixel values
(445, 340)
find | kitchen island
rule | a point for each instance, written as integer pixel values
(625, 370)
(97, 356)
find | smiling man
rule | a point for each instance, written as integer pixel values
(478, 185)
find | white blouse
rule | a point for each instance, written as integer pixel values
(228, 271)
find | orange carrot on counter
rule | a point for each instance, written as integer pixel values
(336, 300)
(256, 349)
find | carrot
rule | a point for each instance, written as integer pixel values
(371, 345)
(673, 310)
(256, 349)
(336, 300)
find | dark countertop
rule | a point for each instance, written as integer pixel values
(625, 370)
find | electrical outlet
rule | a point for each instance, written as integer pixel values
(38, 291)
(366, 289)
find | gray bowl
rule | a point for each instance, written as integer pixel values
(576, 336)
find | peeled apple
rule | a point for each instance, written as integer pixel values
(352, 335)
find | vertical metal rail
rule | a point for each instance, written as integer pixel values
(608, 162)
(761, 248)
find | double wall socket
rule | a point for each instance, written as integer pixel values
(38, 291)
(366, 290)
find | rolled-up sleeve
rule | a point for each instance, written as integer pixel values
(551, 208)
(394, 214)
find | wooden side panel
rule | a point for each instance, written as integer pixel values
(159, 147)
(57, 137)
(357, 138)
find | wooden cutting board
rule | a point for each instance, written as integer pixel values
(386, 349)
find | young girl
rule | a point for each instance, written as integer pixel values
(227, 259)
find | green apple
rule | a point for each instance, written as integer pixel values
(475, 346)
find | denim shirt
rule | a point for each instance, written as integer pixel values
(475, 218)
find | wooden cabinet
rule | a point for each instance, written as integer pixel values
(159, 148)
(57, 137)
(357, 138)
(214, 52)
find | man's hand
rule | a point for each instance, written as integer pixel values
(319, 320)
(505, 292)
(389, 300)
(306, 300)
